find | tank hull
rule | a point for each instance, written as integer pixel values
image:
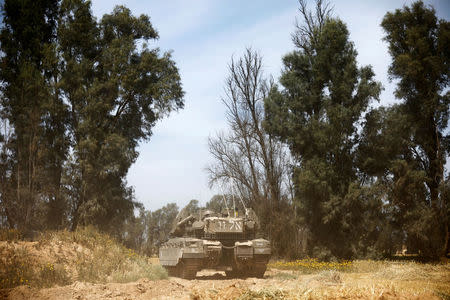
(185, 256)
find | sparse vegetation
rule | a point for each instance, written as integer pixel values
(311, 265)
(389, 269)
(14, 267)
(51, 274)
(8, 234)
(106, 260)
(366, 278)
(285, 276)
(83, 255)
(17, 267)
(263, 294)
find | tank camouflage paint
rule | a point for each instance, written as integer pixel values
(215, 241)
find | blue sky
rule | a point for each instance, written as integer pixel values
(203, 35)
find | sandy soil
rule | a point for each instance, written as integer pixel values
(52, 252)
(208, 284)
(214, 285)
(394, 282)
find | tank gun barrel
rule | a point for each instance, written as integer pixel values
(185, 220)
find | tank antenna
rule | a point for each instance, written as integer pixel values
(225, 201)
(234, 203)
(232, 195)
(242, 201)
(239, 194)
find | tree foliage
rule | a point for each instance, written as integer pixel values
(419, 46)
(78, 95)
(116, 92)
(148, 230)
(29, 108)
(317, 114)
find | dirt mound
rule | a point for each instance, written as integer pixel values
(62, 258)
(38, 254)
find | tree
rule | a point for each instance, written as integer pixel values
(419, 45)
(134, 232)
(317, 113)
(78, 95)
(29, 108)
(386, 164)
(148, 230)
(218, 204)
(116, 92)
(191, 208)
(225, 204)
(160, 225)
(251, 162)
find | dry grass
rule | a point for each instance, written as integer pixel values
(266, 294)
(86, 255)
(311, 265)
(11, 235)
(367, 279)
(14, 267)
(284, 276)
(62, 257)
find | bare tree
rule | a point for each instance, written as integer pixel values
(256, 163)
(305, 35)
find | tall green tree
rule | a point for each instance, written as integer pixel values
(419, 44)
(317, 113)
(78, 95)
(29, 107)
(386, 161)
(116, 91)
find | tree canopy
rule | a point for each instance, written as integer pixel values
(419, 46)
(78, 96)
(317, 114)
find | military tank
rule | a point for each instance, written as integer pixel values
(220, 241)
